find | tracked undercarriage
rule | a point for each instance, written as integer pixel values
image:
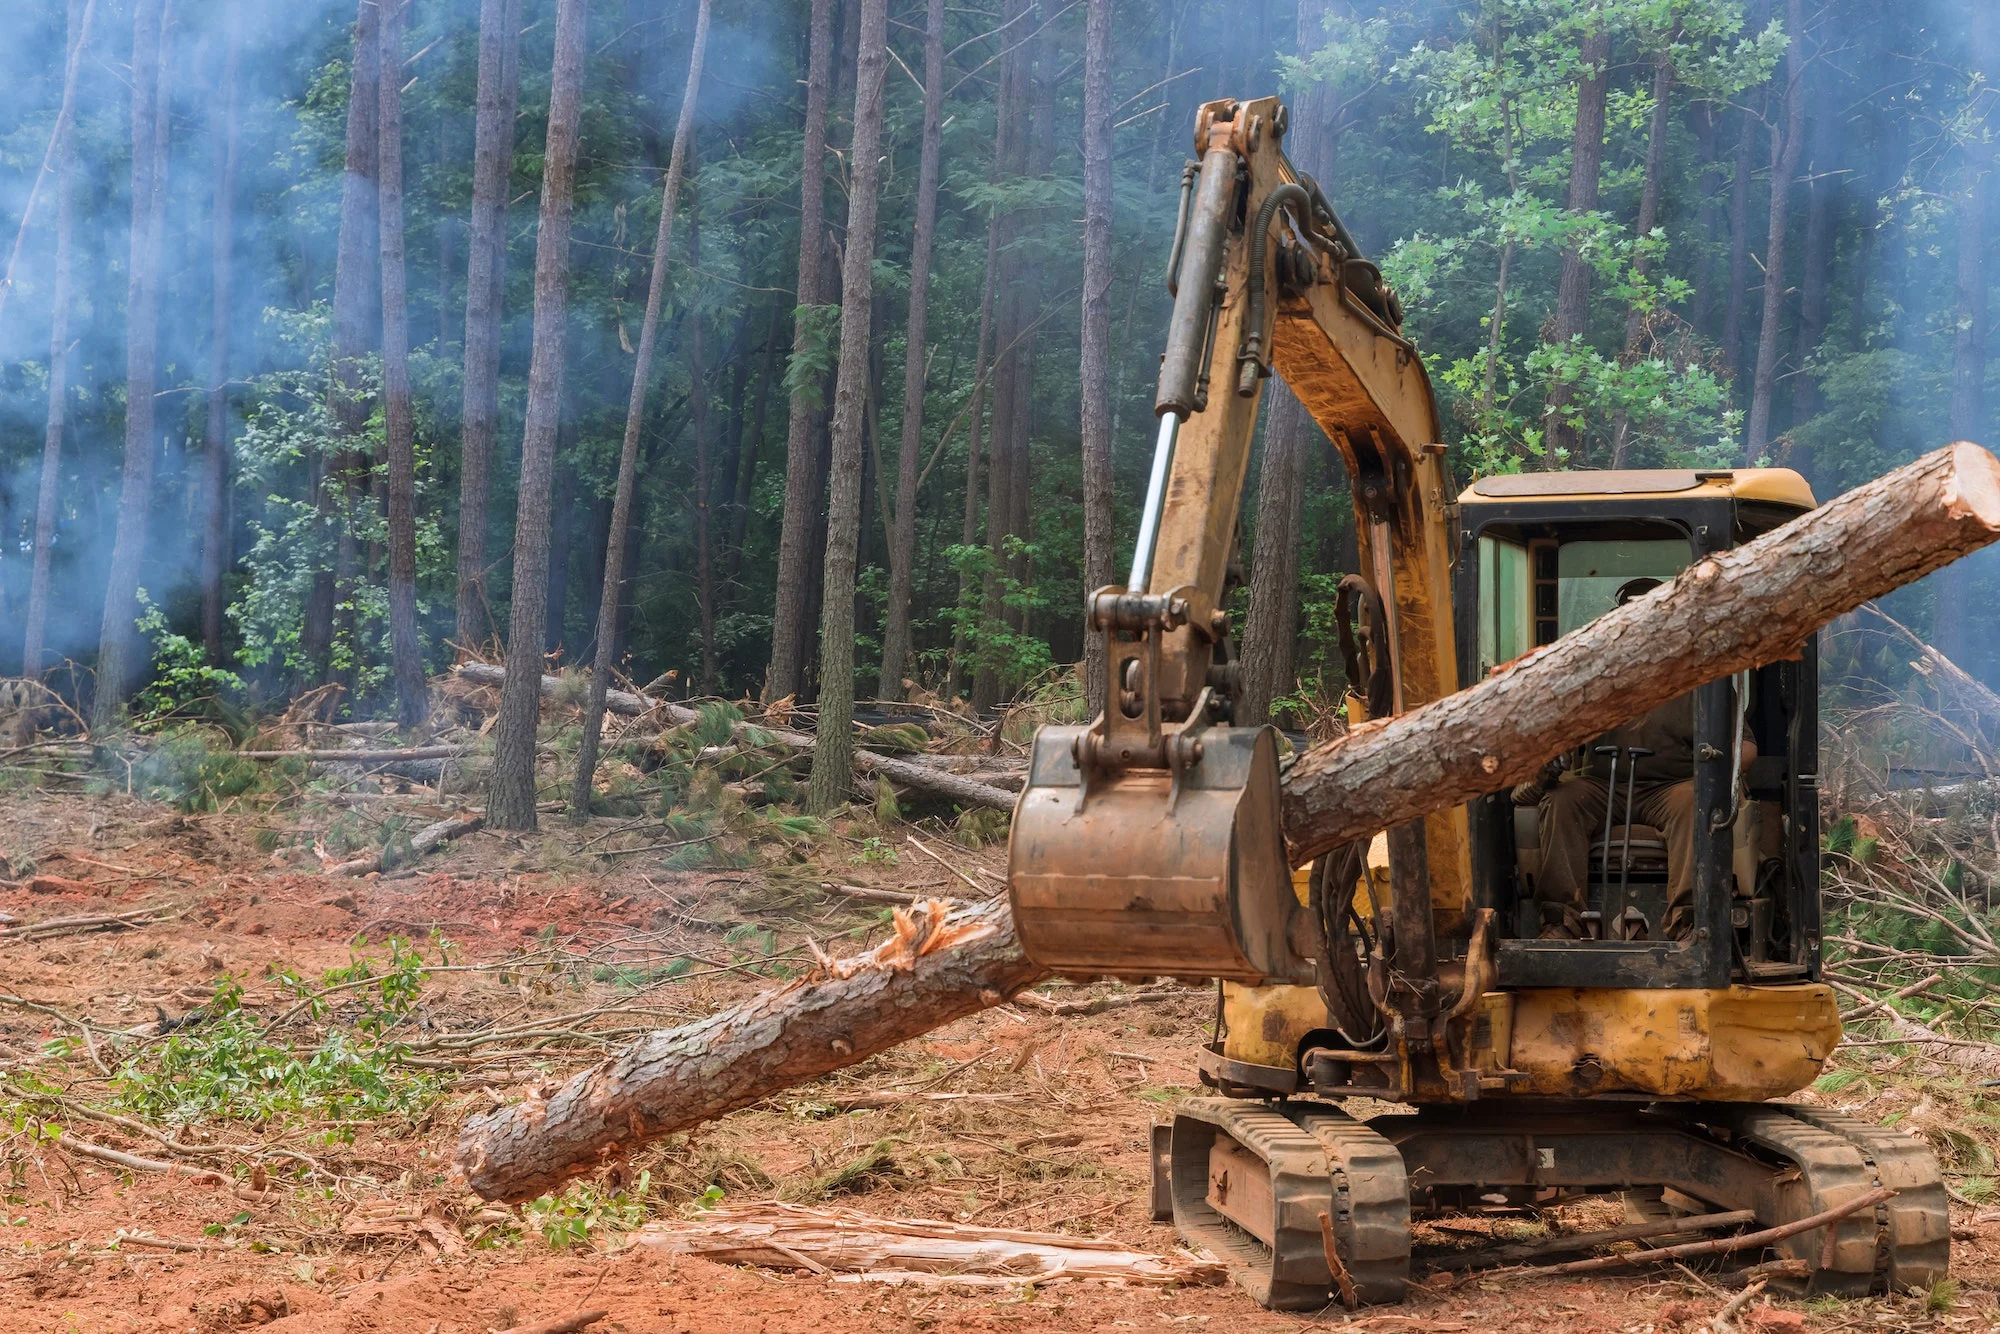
(1274, 1188)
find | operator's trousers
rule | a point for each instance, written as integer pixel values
(1573, 815)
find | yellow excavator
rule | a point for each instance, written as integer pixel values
(1518, 1052)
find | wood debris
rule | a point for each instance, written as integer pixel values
(788, 1236)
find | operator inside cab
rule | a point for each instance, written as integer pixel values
(1651, 760)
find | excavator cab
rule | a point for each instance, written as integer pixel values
(1631, 1054)
(1541, 555)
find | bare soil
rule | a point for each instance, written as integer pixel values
(545, 928)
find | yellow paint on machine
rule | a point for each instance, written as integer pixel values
(1735, 1044)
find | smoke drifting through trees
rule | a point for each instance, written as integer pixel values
(1784, 263)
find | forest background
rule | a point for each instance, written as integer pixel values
(321, 322)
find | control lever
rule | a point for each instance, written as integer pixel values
(1610, 806)
(1634, 754)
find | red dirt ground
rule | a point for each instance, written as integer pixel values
(1068, 1154)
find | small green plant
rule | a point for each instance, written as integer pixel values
(1942, 1297)
(183, 683)
(874, 850)
(184, 768)
(569, 1219)
(224, 1068)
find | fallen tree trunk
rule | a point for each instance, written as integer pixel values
(941, 964)
(1740, 609)
(430, 836)
(935, 779)
(1752, 605)
(358, 756)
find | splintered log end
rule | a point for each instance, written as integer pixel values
(1974, 488)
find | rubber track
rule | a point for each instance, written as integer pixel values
(1371, 1201)
(1912, 1230)
(1320, 1161)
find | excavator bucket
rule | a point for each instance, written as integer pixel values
(1146, 873)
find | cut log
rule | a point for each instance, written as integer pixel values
(941, 964)
(1723, 614)
(936, 780)
(1752, 605)
(789, 1236)
(358, 756)
(430, 836)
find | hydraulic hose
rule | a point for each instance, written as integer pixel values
(1250, 361)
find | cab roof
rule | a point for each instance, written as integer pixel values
(1780, 486)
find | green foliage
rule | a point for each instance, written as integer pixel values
(225, 1068)
(184, 766)
(583, 1211)
(184, 683)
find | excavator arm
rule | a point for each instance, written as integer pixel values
(1148, 843)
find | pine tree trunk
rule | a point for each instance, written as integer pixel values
(1649, 214)
(1739, 245)
(1708, 215)
(704, 557)
(1949, 618)
(790, 630)
(48, 494)
(222, 248)
(1095, 370)
(903, 537)
(618, 538)
(399, 424)
(117, 650)
(1785, 151)
(1270, 630)
(975, 444)
(357, 325)
(1565, 441)
(833, 757)
(1010, 159)
(510, 802)
(745, 478)
(485, 284)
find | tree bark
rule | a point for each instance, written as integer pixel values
(222, 263)
(48, 494)
(790, 631)
(1708, 216)
(744, 480)
(510, 802)
(1095, 370)
(151, 109)
(1785, 151)
(903, 538)
(1009, 160)
(406, 655)
(485, 285)
(832, 759)
(940, 965)
(1949, 619)
(1565, 442)
(356, 323)
(1733, 611)
(1823, 194)
(619, 534)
